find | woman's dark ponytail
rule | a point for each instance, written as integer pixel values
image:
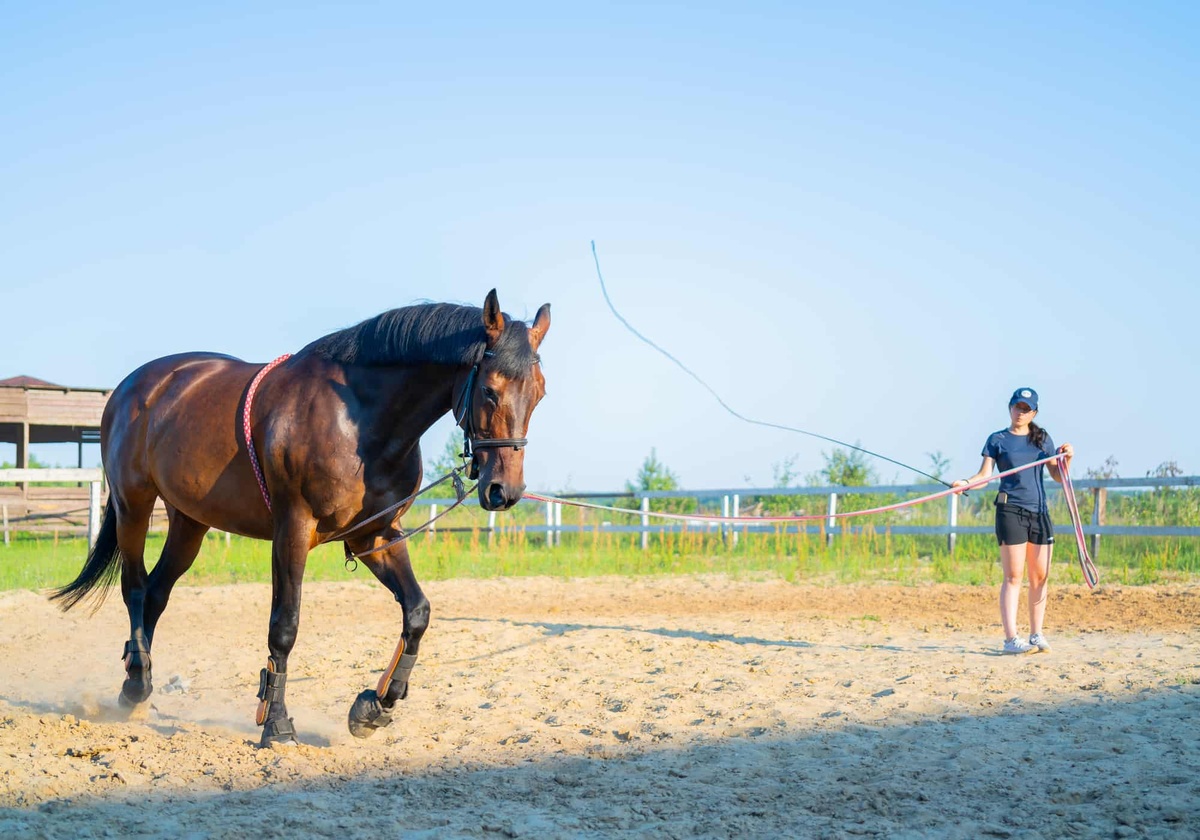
(1037, 435)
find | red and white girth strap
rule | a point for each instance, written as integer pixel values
(258, 473)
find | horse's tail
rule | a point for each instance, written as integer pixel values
(101, 569)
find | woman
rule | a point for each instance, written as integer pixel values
(1023, 526)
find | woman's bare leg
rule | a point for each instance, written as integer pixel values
(1012, 561)
(1037, 558)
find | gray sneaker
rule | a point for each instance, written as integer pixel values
(1038, 641)
(1016, 645)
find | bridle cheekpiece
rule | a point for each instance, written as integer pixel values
(464, 418)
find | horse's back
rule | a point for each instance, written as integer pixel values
(157, 384)
(185, 403)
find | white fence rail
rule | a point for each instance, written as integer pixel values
(93, 478)
(731, 502)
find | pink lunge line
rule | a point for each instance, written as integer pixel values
(1085, 561)
(812, 517)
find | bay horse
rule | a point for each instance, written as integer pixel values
(337, 430)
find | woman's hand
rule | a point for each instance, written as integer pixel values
(962, 482)
(1068, 450)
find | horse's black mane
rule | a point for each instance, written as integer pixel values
(433, 333)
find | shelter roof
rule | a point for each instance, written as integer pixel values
(26, 382)
(31, 382)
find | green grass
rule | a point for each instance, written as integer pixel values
(36, 562)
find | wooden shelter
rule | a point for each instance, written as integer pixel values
(35, 411)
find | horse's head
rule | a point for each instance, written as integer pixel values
(500, 400)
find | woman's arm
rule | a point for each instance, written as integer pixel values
(1055, 472)
(985, 470)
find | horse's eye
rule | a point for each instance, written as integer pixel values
(490, 394)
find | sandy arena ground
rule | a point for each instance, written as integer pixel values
(616, 708)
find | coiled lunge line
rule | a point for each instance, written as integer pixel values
(1085, 560)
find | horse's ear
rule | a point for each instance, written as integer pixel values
(493, 318)
(540, 325)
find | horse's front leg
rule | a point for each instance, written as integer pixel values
(289, 552)
(374, 708)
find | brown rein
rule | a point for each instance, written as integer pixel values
(404, 535)
(459, 490)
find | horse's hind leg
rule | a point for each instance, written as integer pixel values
(146, 595)
(373, 708)
(185, 536)
(133, 520)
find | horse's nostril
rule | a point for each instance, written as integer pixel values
(515, 496)
(495, 495)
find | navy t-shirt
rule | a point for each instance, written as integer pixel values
(1024, 489)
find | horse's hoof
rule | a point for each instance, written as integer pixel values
(133, 693)
(278, 732)
(367, 714)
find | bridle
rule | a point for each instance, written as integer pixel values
(466, 421)
(471, 441)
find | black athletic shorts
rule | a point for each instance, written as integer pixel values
(1016, 525)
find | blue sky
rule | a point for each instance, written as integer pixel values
(871, 220)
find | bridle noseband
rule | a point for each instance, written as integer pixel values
(466, 421)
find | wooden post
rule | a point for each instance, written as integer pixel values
(831, 523)
(952, 503)
(549, 524)
(23, 462)
(227, 539)
(4, 510)
(93, 512)
(1099, 502)
(557, 524)
(645, 523)
(736, 508)
(432, 523)
(491, 526)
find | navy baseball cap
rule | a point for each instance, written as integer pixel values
(1025, 395)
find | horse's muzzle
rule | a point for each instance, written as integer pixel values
(501, 496)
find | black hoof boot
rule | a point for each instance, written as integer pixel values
(278, 731)
(368, 714)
